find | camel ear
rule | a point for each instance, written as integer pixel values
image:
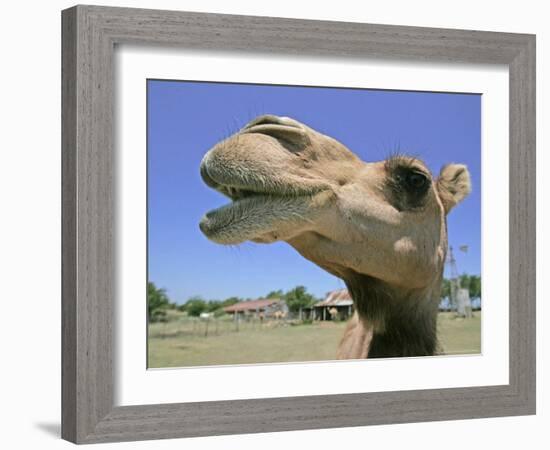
(453, 185)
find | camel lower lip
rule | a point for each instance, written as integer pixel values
(215, 220)
(208, 221)
(254, 216)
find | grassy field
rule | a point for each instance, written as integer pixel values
(184, 342)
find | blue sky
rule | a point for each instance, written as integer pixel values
(185, 119)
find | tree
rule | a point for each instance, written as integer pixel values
(195, 306)
(464, 281)
(445, 288)
(275, 294)
(157, 303)
(299, 298)
(472, 283)
(231, 301)
(475, 286)
(213, 305)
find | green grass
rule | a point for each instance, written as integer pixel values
(459, 336)
(182, 341)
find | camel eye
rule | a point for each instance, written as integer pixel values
(416, 180)
(407, 184)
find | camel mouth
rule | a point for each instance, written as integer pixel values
(256, 212)
(249, 214)
(215, 223)
(264, 201)
(236, 193)
(232, 184)
(239, 197)
(255, 217)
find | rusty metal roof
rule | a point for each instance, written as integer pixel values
(251, 305)
(340, 297)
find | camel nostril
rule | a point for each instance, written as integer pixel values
(270, 119)
(290, 135)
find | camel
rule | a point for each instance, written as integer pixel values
(379, 226)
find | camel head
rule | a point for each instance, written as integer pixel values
(288, 182)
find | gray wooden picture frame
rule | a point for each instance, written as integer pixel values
(89, 36)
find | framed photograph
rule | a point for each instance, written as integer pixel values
(277, 224)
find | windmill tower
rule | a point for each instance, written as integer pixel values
(460, 298)
(455, 281)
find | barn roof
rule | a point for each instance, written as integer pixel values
(251, 305)
(339, 297)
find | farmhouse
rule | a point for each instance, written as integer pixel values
(337, 305)
(263, 307)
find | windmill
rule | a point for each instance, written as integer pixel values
(455, 281)
(459, 298)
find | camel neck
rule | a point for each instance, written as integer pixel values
(403, 322)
